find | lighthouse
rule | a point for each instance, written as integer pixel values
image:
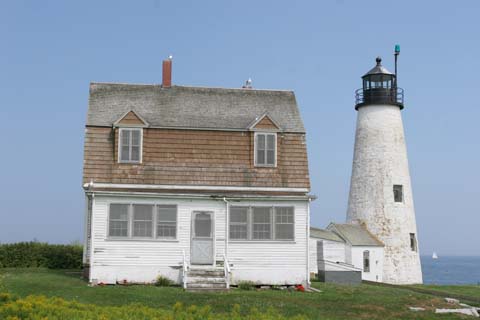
(381, 197)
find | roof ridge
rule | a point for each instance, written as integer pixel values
(190, 87)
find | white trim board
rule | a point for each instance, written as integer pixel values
(92, 185)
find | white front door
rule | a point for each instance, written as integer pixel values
(202, 237)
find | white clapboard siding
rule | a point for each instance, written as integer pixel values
(273, 262)
(333, 251)
(376, 262)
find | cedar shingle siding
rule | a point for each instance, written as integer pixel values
(195, 157)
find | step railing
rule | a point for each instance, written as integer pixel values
(184, 270)
(226, 268)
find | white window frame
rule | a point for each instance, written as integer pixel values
(119, 147)
(272, 226)
(274, 134)
(130, 236)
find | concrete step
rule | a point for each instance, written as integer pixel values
(205, 273)
(198, 279)
(207, 290)
(206, 285)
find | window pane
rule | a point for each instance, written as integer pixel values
(260, 142)
(398, 193)
(271, 157)
(125, 136)
(261, 223)
(166, 221)
(238, 215)
(203, 225)
(284, 226)
(135, 137)
(366, 261)
(238, 223)
(142, 220)
(118, 223)
(135, 156)
(238, 232)
(125, 153)
(260, 157)
(271, 142)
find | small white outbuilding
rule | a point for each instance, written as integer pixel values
(345, 253)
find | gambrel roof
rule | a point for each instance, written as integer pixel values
(192, 107)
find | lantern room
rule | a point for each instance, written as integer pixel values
(379, 87)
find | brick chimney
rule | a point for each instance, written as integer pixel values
(167, 73)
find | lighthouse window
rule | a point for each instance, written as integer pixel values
(398, 193)
(366, 261)
(413, 242)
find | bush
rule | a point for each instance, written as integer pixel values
(40, 307)
(162, 281)
(37, 254)
(246, 285)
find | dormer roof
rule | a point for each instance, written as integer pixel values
(131, 119)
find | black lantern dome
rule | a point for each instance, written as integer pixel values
(379, 87)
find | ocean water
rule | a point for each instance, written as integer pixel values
(451, 270)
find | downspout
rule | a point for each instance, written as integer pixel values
(91, 239)
(308, 242)
(227, 232)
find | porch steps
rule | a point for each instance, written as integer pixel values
(206, 279)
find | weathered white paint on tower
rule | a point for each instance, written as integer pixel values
(380, 162)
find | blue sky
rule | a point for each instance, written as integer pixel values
(51, 50)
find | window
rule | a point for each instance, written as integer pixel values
(142, 221)
(130, 145)
(366, 261)
(261, 223)
(284, 223)
(413, 242)
(398, 193)
(167, 222)
(203, 225)
(238, 223)
(265, 149)
(118, 226)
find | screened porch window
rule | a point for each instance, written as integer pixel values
(166, 222)
(118, 226)
(261, 223)
(130, 145)
(265, 149)
(142, 221)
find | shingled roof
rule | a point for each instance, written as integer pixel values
(355, 234)
(192, 107)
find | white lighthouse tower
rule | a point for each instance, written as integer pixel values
(380, 191)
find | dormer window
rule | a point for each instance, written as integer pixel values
(265, 149)
(130, 145)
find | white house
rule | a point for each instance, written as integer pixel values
(345, 253)
(205, 186)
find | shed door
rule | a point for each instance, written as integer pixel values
(202, 238)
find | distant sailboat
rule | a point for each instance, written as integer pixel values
(434, 255)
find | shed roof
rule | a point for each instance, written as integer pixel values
(356, 235)
(324, 234)
(192, 107)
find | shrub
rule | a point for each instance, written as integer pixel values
(246, 285)
(162, 281)
(37, 254)
(40, 307)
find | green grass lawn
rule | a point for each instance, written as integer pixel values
(464, 290)
(334, 302)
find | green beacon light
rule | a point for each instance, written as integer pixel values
(397, 49)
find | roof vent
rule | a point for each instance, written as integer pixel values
(248, 84)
